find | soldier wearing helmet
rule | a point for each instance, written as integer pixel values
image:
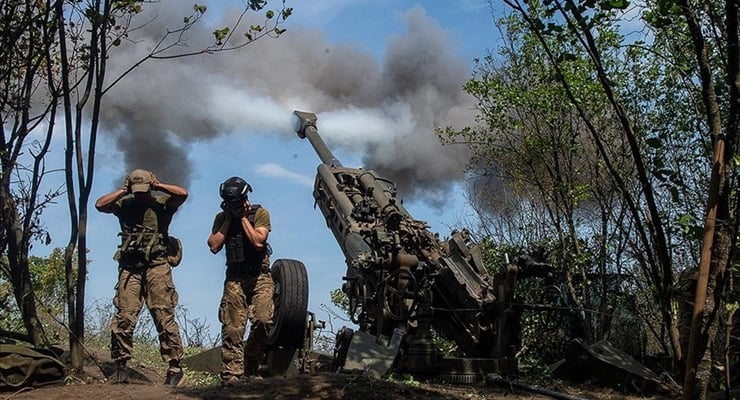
(144, 270)
(242, 228)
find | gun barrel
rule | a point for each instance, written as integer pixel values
(304, 124)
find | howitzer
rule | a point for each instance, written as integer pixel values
(401, 279)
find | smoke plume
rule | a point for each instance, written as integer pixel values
(385, 110)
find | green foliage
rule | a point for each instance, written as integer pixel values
(199, 8)
(340, 300)
(256, 31)
(221, 34)
(127, 6)
(49, 282)
(405, 379)
(197, 378)
(496, 253)
(587, 145)
(37, 71)
(446, 347)
(257, 5)
(146, 357)
(10, 317)
(647, 102)
(690, 226)
(146, 343)
(47, 276)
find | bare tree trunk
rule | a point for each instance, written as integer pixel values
(728, 348)
(714, 256)
(21, 281)
(75, 345)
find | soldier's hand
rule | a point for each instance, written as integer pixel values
(228, 212)
(244, 212)
(155, 181)
(126, 184)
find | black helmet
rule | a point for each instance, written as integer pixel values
(234, 190)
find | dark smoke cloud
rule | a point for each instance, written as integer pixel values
(386, 111)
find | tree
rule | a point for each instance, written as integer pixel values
(27, 106)
(657, 102)
(48, 280)
(49, 288)
(104, 24)
(57, 54)
(714, 34)
(533, 147)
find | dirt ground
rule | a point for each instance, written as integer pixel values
(319, 386)
(146, 384)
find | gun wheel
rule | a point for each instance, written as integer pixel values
(399, 294)
(291, 304)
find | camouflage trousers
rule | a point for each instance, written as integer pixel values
(155, 286)
(245, 299)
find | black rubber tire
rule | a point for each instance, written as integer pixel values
(291, 304)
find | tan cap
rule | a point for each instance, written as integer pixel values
(140, 180)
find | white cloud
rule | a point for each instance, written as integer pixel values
(277, 171)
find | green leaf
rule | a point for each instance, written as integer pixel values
(619, 4)
(675, 195)
(220, 34)
(686, 220)
(654, 143)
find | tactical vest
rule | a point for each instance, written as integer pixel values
(143, 233)
(238, 248)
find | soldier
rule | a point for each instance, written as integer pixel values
(248, 288)
(144, 273)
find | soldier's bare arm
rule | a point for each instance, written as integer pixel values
(178, 194)
(257, 236)
(107, 203)
(216, 240)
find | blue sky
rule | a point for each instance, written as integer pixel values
(349, 62)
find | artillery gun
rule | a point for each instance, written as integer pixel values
(405, 285)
